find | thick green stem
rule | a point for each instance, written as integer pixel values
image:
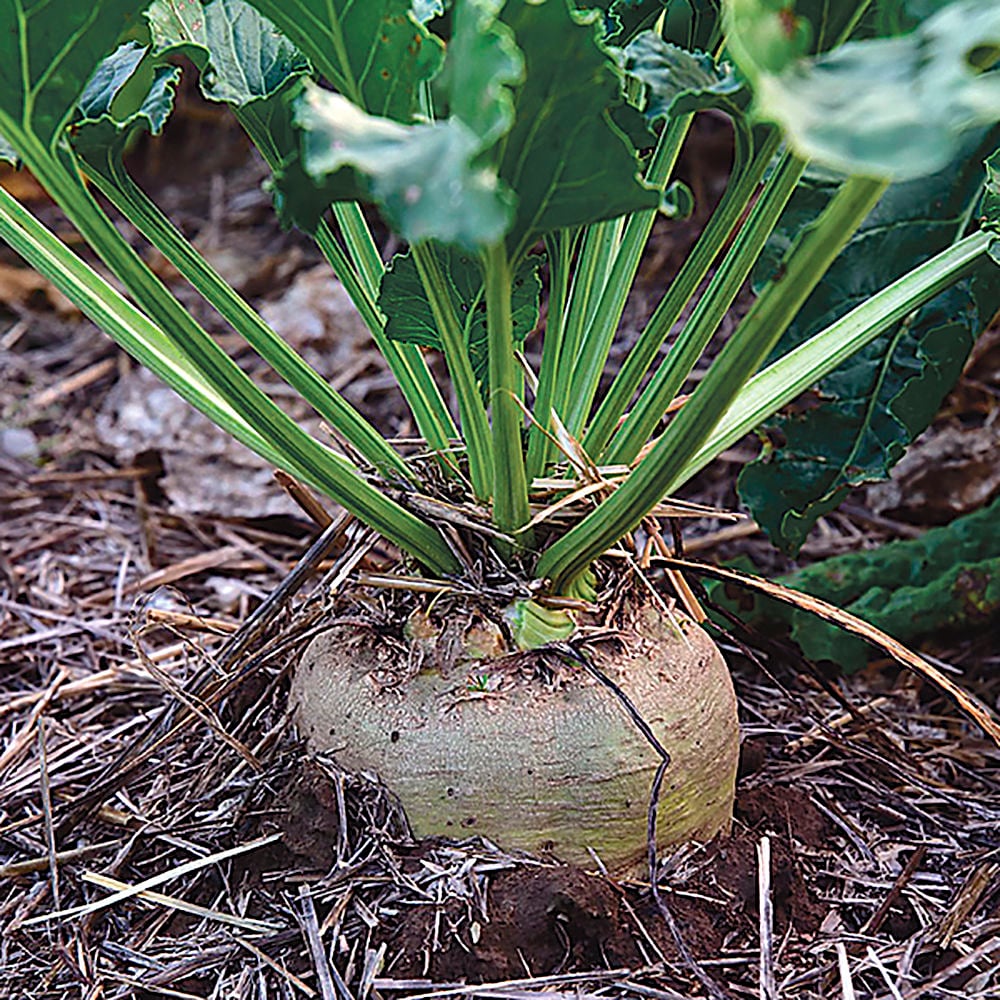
(788, 377)
(360, 275)
(607, 236)
(475, 424)
(707, 316)
(583, 290)
(346, 274)
(718, 229)
(510, 487)
(540, 446)
(756, 336)
(404, 360)
(360, 244)
(593, 354)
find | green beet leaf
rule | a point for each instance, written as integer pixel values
(244, 61)
(411, 320)
(424, 177)
(48, 51)
(678, 81)
(884, 107)
(109, 79)
(693, 24)
(565, 158)
(529, 146)
(374, 52)
(240, 54)
(101, 135)
(866, 413)
(432, 179)
(482, 65)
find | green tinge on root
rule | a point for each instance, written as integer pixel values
(534, 625)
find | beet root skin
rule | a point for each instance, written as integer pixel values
(483, 748)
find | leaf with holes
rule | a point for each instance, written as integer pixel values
(884, 107)
(374, 52)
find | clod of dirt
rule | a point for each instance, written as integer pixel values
(325, 811)
(783, 810)
(541, 920)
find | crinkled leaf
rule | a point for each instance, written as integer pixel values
(565, 159)
(678, 81)
(422, 176)
(374, 52)
(865, 413)
(482, 63)
(948, 577)
(247, 63)
(403, 300)
(624, 19)
(693, 24)
(110, 76)
(48, 50)
(886, 107)
(899, 381)
(677, 201)
(100, 134)
(241, 55)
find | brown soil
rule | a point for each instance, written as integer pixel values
(552, 919)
